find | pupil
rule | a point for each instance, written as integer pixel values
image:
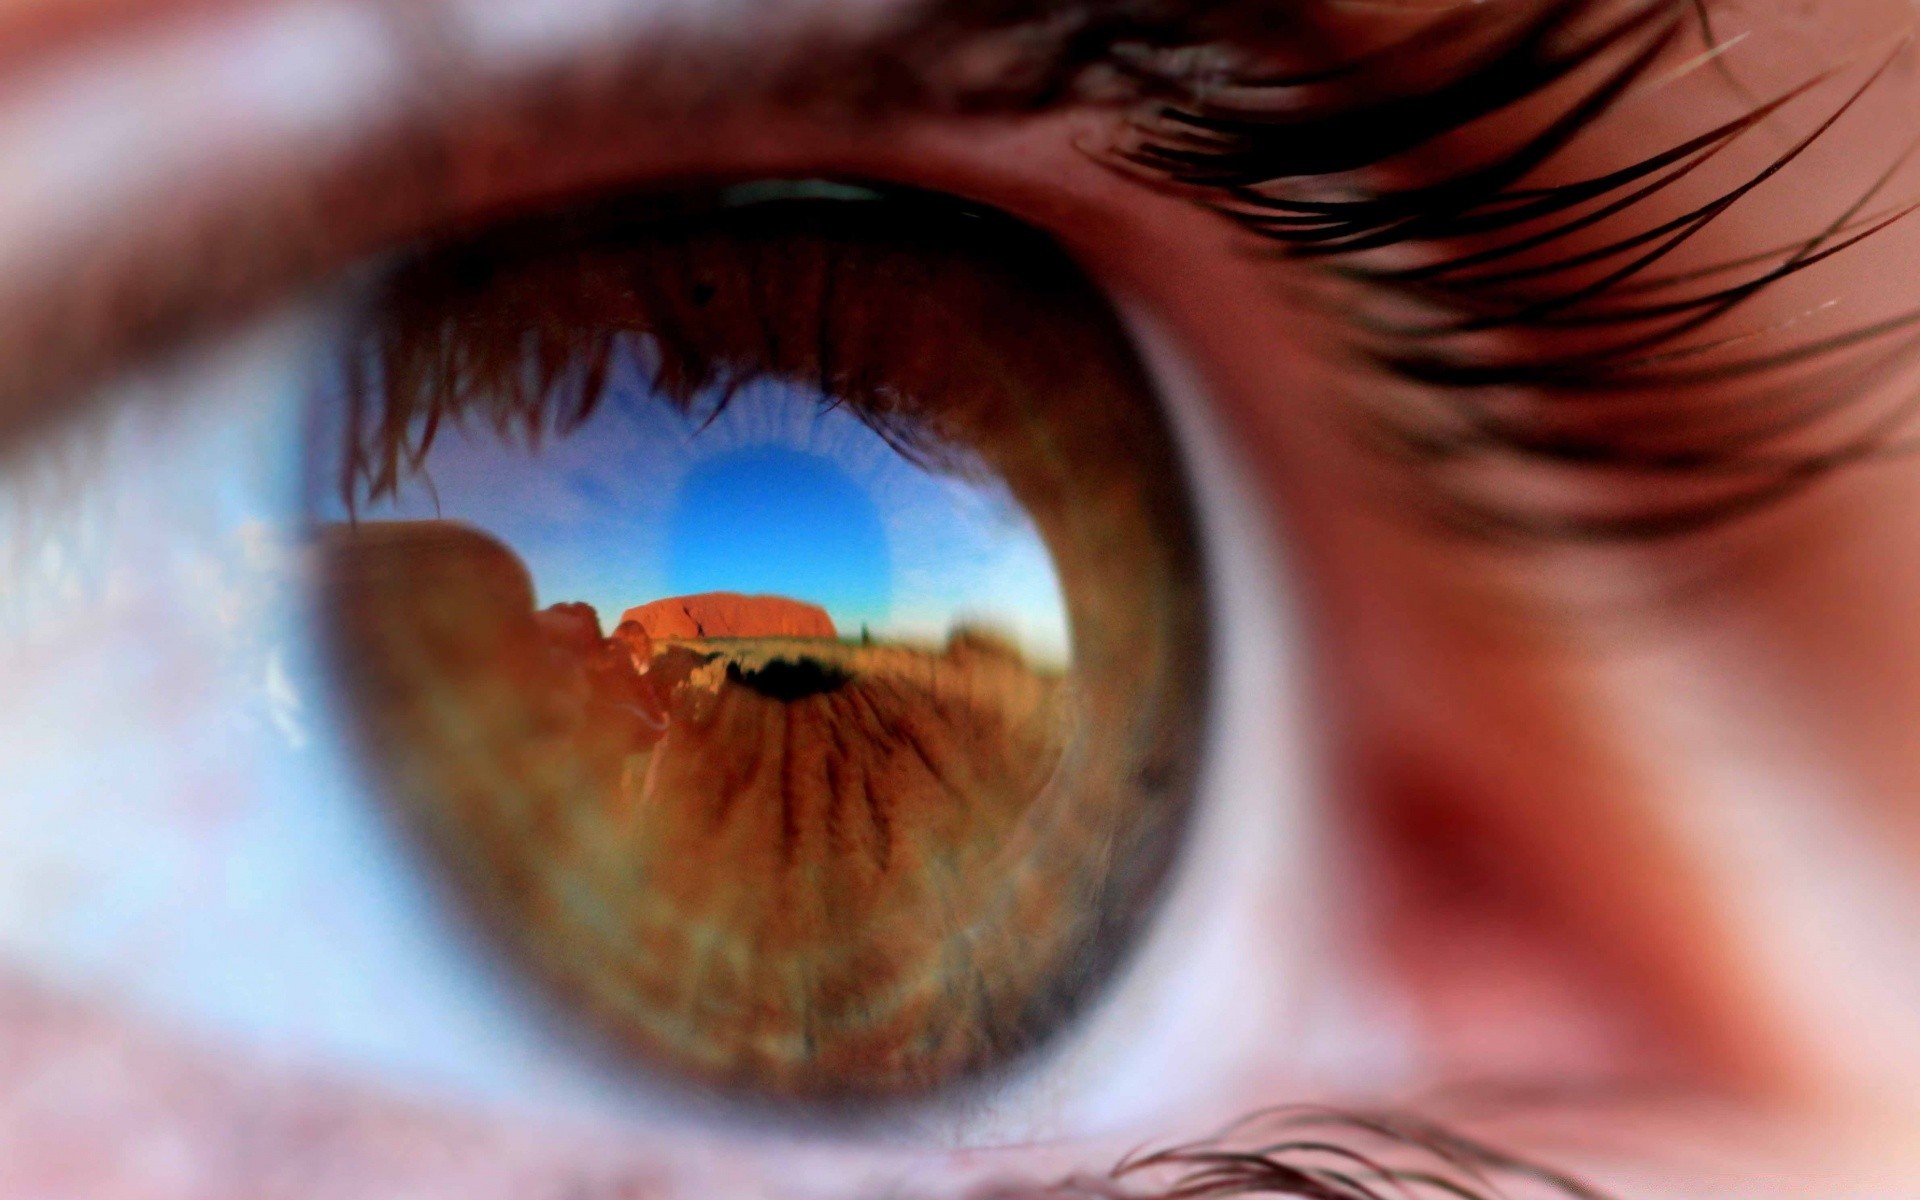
(790, 679)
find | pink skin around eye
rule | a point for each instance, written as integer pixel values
(1674, 844)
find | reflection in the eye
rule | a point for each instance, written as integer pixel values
(799, 666)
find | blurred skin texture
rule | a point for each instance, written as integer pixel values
(1632, 824)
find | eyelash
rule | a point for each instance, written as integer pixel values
(1315, 1153)
(1644, 415)
(422, 367)
(1300, 161)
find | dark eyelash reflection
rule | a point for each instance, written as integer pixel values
(1314, 1153)
(1506, 323)
(520, 332)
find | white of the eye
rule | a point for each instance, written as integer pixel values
(182, 831)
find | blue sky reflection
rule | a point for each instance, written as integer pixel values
(777, 494)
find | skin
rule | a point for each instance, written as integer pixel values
(1568, 792)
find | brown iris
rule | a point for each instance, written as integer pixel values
(783, 620)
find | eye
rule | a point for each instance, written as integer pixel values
(342, 602)
(782, 623)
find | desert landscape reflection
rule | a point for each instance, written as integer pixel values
(762, 856)
(817, 732)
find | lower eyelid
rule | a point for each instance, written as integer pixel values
(98, 1107)
(100, 1103)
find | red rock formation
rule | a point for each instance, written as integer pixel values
(572, 624)
(730, 614)
(633, 637)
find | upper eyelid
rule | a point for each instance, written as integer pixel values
(175, 179)
(171, 177)
(216, 181)
(114, 153)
